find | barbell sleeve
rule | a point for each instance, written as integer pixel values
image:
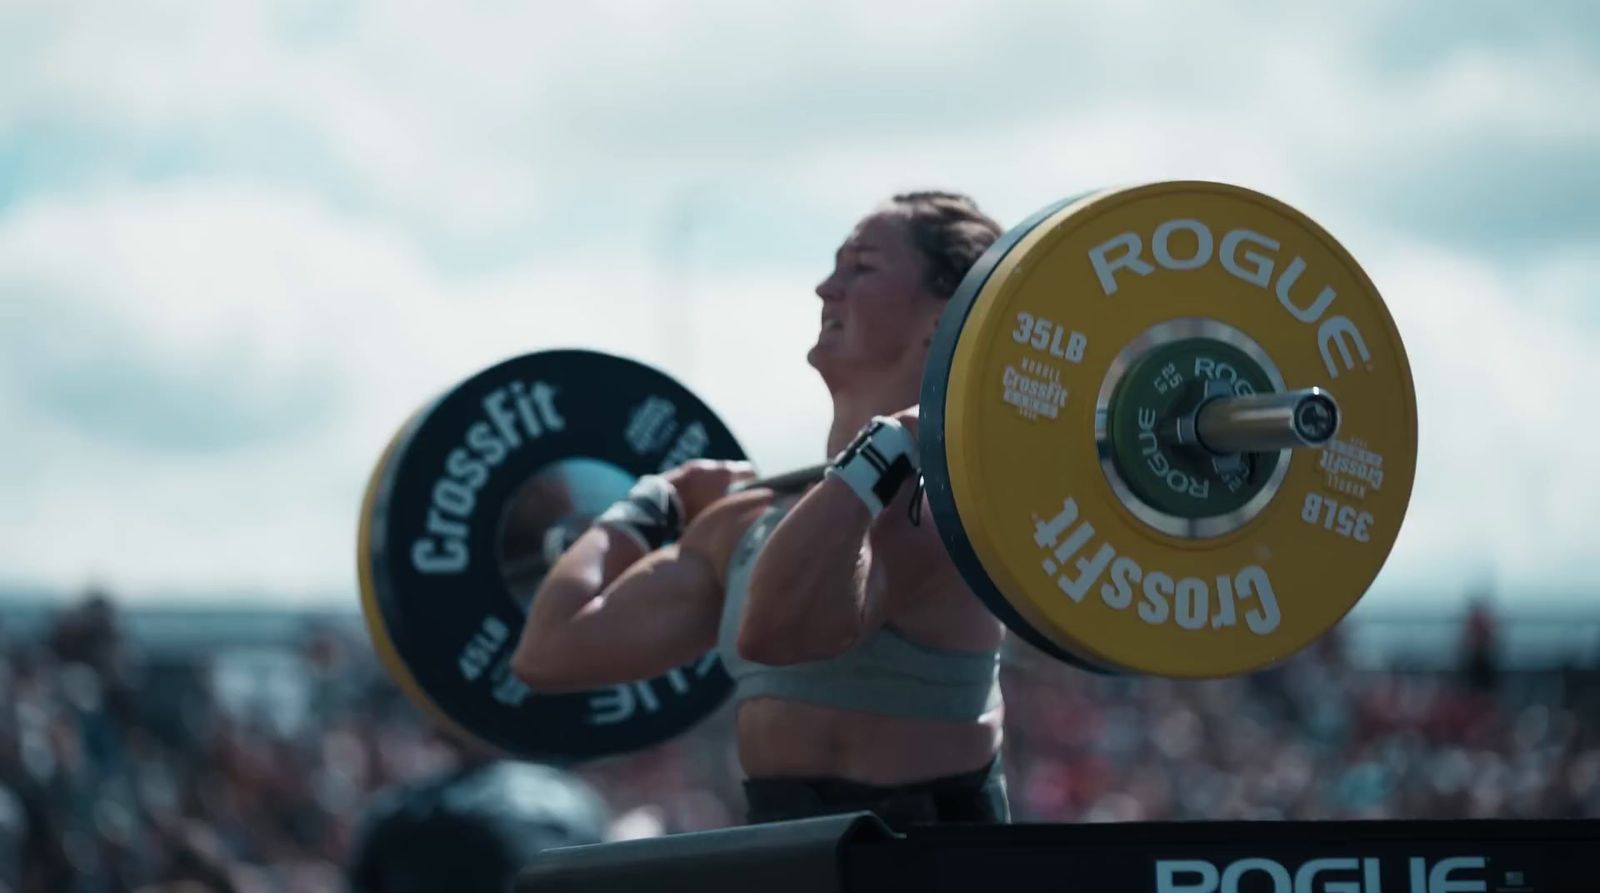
(1257, 423)
(1262, 423)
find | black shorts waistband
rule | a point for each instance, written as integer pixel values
(975, 796)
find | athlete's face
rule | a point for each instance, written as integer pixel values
(877, 311)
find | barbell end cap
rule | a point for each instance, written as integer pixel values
(1317, 417)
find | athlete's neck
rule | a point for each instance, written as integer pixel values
(854, 406)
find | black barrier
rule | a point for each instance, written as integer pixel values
(802, 856)
(856, 852)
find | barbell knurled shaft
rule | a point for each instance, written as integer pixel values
(786, 482)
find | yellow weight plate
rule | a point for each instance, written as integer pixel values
(1046, 335)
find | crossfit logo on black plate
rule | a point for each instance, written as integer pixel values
(651, 424)
(691, 444)
(513, 416)
(479, 656)
(620, 703)
(654, 422)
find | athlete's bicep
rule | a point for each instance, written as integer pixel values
(658, 614)
(662, 612)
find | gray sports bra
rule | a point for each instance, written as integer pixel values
(885, 673)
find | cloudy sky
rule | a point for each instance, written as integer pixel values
(240, 241)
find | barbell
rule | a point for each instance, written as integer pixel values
(1166, 429)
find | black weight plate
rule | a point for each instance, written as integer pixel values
(537, 443)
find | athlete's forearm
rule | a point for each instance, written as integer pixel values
(810, 593)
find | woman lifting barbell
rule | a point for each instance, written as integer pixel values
(866, 670)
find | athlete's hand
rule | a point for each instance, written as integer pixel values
(700, 482)
(910, 419)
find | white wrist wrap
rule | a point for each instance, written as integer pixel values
(651, 514)
(877, 463)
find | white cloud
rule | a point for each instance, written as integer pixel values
(272, 294)
(475, 124)
(349, 205)
(1506, 478)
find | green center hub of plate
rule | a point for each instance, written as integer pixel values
(1168, 382)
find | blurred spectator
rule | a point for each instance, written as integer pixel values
(1480, 641)
(13, 837)
(194, 859)
(249, 767)
(473, 828)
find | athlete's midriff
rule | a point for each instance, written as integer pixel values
(788, 739)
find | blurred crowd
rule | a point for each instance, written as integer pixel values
(127, 770)
(1311, 739)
